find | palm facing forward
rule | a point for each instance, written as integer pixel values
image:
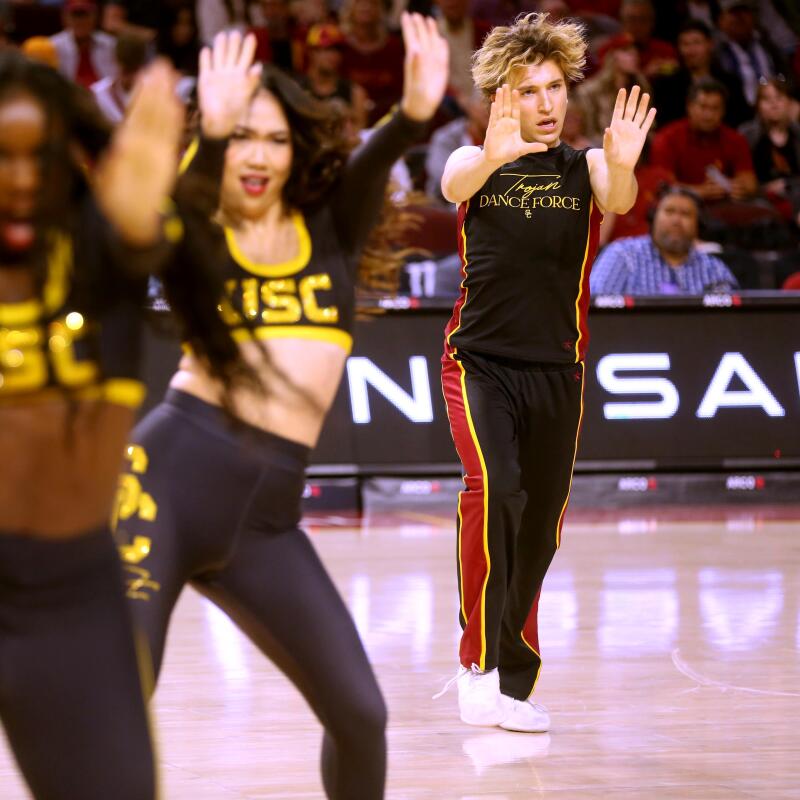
(226, 82)
(503, 141)
(425, 72)
(625, 136)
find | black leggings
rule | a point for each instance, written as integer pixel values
(218, 506)
(71, 700)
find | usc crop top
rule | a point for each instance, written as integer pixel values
(311, 296)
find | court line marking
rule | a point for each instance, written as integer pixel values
(704, 680)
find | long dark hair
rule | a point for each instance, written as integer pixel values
(320, 150)
(319, 142)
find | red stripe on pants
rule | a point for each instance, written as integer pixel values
(473, 558)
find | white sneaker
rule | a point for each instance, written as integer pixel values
(479, 698)
(525, 716)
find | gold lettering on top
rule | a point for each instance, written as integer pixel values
(530, 184)
(28, 352)
(567, 203)
(281, 301)
(529, 192)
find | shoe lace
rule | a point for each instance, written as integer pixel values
(459, 673)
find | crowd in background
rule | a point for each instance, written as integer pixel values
(723, 74)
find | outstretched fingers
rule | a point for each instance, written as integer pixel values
(648, 122)
(247, 52)
(641, 111)
(633, 100)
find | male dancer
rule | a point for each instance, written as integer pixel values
(529, 211)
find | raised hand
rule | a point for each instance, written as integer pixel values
(139, 170)
(226, 82)
(426, 68)
(503, 141)
(624, 138)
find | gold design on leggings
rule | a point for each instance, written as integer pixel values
(131, 498)
(138, 582)
(133, 501)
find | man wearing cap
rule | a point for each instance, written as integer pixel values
(743, 51)
(85, 55)
(323, 76)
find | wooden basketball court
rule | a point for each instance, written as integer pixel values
(671, 647)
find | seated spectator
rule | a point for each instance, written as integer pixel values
(373, 55)
(179, 37)
(667, 260)
(85, 55)
(697, 61)
(704, 154)
(41, 49)
(467, 130)
(743, 51)
(638, 20)
(323, 75)
(464, 34)
(774, 140)
(114, 94)
(597, 95)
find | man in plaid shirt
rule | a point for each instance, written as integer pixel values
(664, 262)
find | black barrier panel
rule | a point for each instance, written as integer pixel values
(667, 388)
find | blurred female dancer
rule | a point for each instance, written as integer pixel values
(72, 265)
(74, 261)
(224, 500)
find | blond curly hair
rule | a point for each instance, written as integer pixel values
(530, 40)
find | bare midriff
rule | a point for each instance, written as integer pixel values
(300, 377)
(59, 463)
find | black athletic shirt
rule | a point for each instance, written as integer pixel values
(312, 296)
(527, 240)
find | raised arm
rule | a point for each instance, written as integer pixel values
(468, 168)
(611, 169)
(138, 172)
(227, 80)
(360, 192)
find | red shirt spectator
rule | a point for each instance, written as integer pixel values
(704, 154)
(84, 54)
(688, 153)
